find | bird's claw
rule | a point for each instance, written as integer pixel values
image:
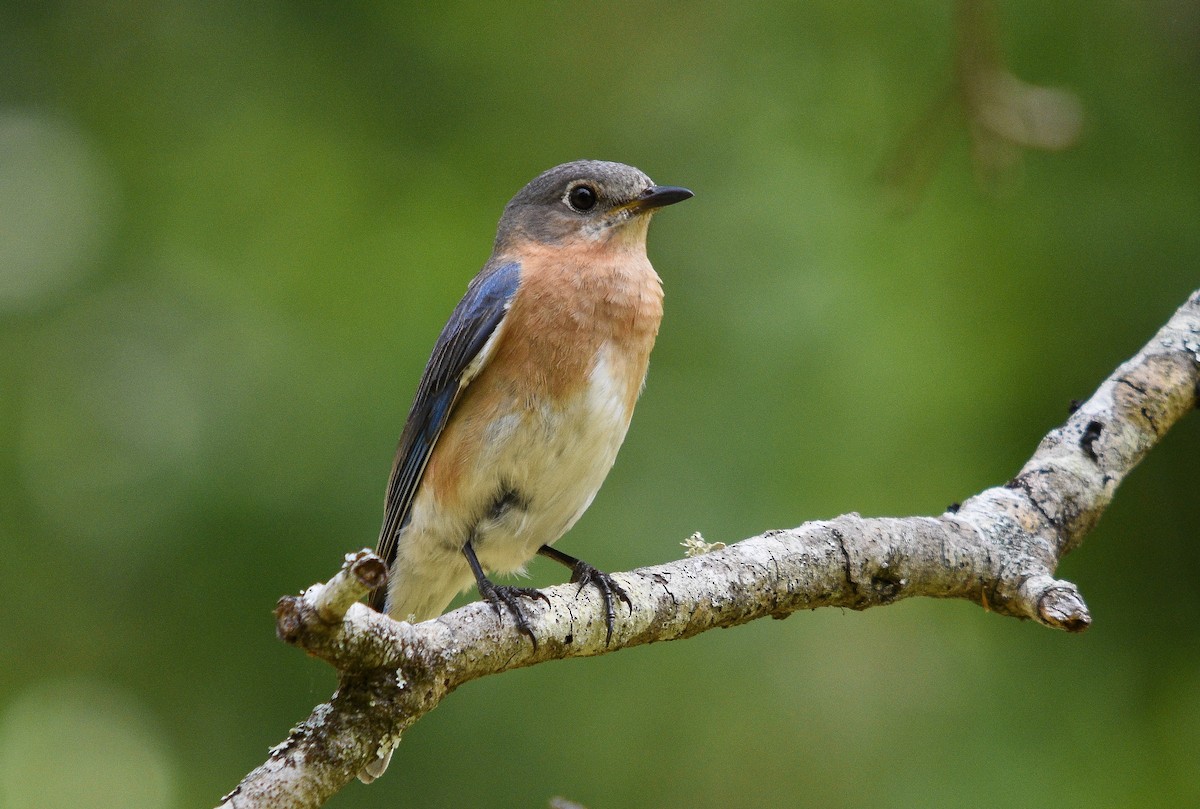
(584, 574)
(497, 594)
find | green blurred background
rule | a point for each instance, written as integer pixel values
(230, 232)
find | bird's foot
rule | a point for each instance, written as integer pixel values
(584, 574)
(509, 596)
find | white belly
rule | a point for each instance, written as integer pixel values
(552, 458)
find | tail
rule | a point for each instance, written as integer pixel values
(409, 596)
(376, 768)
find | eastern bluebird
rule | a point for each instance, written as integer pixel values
(527, 397)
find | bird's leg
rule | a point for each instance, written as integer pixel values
(584, 574)
(497, 594)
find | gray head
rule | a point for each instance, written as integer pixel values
(592, 199)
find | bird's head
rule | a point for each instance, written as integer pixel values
(593, 200)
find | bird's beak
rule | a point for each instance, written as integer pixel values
(658, 196)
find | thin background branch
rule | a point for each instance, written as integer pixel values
(1003, 115)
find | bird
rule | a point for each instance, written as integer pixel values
(526, 398)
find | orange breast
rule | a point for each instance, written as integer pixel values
(572, 301)
(571, 306)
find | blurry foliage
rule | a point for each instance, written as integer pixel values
(230, 232)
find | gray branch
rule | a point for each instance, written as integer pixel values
(999, 549)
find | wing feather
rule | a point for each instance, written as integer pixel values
(461, 351)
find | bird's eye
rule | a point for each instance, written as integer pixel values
(582, 198)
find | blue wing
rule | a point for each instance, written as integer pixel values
(472, 323)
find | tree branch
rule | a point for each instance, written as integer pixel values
(999, 549)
